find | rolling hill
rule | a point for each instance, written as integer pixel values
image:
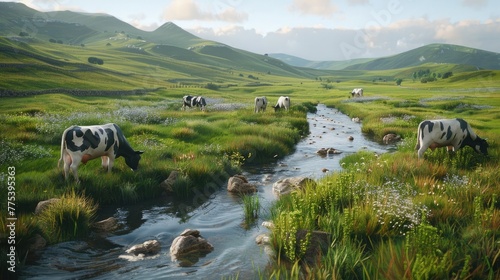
(57, 45)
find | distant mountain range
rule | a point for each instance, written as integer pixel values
(172, 42)
(433, 53)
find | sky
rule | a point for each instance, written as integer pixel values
(319, 30)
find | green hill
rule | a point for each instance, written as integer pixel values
(434, 53)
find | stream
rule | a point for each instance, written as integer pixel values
(217, 214)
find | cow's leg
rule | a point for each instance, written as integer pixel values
(74, 168)
(111, 161)
(422, 149)
(105, 162)
(67, 162)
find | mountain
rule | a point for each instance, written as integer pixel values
(169, 42)
(434, 53)
(323, 65)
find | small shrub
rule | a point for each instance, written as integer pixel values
(67, 219)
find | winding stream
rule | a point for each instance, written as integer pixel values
(217, 215)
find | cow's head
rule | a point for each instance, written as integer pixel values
(481, 146)
(132, 160)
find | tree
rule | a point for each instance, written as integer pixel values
(447, 74)
(399, 81)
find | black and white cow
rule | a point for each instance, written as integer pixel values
(194, 101)
(283, 102)
(451, 133)
(260, 104)
(79, 144)
(357, 92)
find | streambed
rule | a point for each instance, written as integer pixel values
(217, 214)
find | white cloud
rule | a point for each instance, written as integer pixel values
(314, 7)
(190, 10)
(342, 44)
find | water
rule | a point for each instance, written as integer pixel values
(217, 214)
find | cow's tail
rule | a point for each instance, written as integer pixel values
(417, 146)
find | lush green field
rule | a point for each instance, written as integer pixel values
(458, 194)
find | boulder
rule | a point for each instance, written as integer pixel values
(287, 185)
(188, 247)
(239, 184)
(42, 205)
(150, 247)
(107, 225)
(168, 184)
(391, 138)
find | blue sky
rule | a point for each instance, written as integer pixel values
(312, 29)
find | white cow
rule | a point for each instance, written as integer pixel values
(451, 133)
(260, 104)
(357, 92)
(80, 144)
(283, 102)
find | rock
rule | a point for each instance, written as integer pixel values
(268, 224)
(324, 170)
(239, 184)
(356, 120)
(168, 184)
(150, 247)
(327, 151)
(351, 138)
(188, 247)
(42, 205)
(319, 243)
(37, 242)
(108, 225)
(263, 239)
(391, 138)
(287, 185)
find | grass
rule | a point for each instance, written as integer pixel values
(383, 212)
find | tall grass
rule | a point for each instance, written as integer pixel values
(68, 218)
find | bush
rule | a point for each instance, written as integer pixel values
(95, 60)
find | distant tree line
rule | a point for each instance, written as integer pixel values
(428, 76)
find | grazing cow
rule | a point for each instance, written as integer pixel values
(260, 104)
(80, 144)
(193, 101)
(283, 102)
(357, 92)
(198, 101)
(451, 133)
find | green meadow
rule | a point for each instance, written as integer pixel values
(390, 216)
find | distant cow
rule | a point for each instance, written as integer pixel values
(80, 144)
(357, 92)
(199, 101)
(283, 102)
(451, 133)
(260, 104)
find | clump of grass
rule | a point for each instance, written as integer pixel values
(251, 209)
(67, 219)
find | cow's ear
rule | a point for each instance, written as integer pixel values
(139, 152)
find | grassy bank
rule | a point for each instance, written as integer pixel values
(392, 216)
(204, 147)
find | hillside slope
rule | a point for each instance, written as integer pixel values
(434, 53)
(18, 22)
